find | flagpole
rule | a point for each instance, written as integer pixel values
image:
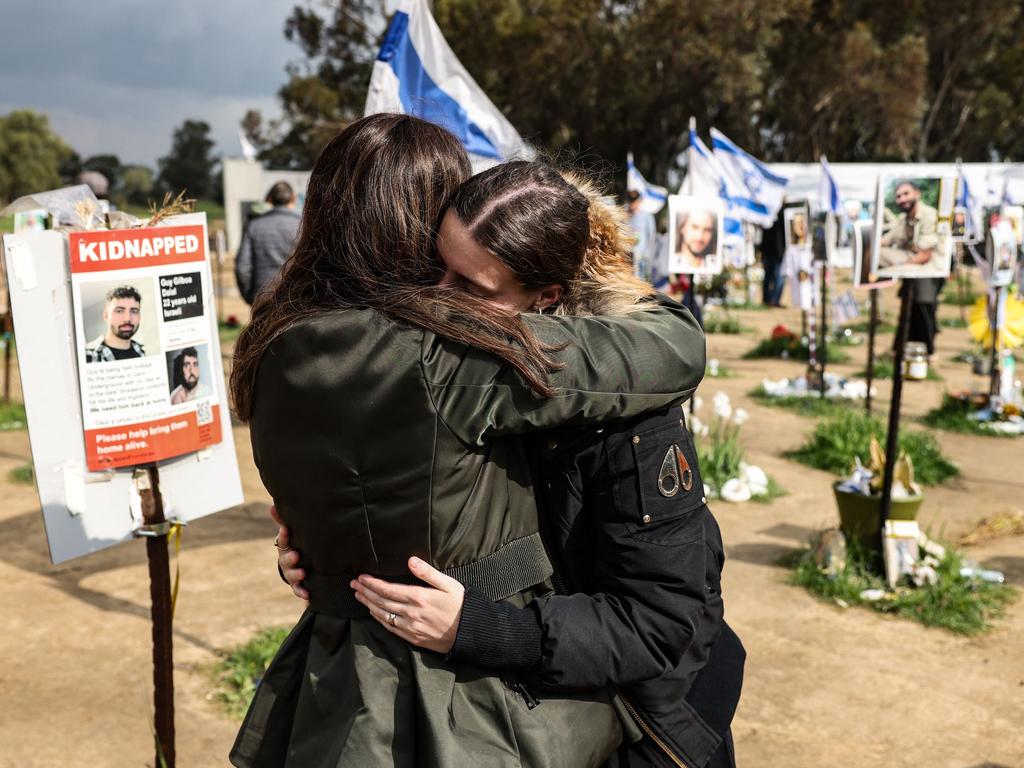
(690, 153)
(693, 278)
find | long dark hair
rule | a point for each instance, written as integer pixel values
(373, 207)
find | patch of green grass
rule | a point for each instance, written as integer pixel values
(7, 223)
(242, 669)
(953, 298)
(967, 356)
(720, 454)
(229, 333)
(837, 441)
(863, 326)
(853, 340)
(883, 370)
(724, 325)
(812, 405)
(748, 306)
(962, 606)
(213, 210)
(775, 491)
(720, 373)
(23, 475)
(952, 322)
(952, 417)
(792, 349)
(12, 416)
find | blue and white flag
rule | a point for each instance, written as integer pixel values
(704, 177)
(754, 191)
(417, 73)
(966, 199)
(652, 197)
(828, 190)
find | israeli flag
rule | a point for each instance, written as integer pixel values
(416, 73)
(828, 190)
(652, 197)
(755, 191)
(704, 177)
(966, 199)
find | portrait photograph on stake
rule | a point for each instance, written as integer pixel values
(695, 234)
(913, 218)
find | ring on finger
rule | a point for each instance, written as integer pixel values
(279, 547)
(392, 617)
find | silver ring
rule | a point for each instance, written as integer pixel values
(279, 547)
(391, 618)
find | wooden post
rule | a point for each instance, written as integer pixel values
(8, 326)
(824, 324)
(960, 284)
(872, 325)
(147, 481)
(994, 363)
(892, 436)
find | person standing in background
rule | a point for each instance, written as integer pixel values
(642, 224)
(267, 242)
(772, 250)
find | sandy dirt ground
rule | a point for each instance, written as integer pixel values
(824, 686)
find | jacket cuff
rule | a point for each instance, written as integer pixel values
(496, 635)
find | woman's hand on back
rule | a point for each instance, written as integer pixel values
(288, 558)
(427, 617)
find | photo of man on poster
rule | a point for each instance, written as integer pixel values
(122, 318)
(695, 235)
(911, 243)
(186, 372)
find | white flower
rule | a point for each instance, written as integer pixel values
(740, 416)
(721, 404)
(735, 490)
(696, 425)
(713, 367)
(705, 430)
(698, 401)
(755, 478)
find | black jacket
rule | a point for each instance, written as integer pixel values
(630, 534)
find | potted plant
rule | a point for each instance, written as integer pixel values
(859, 497)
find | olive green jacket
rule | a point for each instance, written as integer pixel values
(379, 441)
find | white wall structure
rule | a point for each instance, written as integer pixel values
(246, 184)
(857, 180)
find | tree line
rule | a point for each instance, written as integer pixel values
(34, 158)
(921, 80)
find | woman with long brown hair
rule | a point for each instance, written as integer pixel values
(622, 510)
(377, 402)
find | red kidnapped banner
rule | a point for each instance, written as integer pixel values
(100, 250)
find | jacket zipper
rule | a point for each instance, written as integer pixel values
(647, 729)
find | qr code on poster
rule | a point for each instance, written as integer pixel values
(204, 413)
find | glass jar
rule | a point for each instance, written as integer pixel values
(915, 361)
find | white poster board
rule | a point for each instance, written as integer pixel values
(85, 511)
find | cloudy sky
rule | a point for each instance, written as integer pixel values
(117, 76)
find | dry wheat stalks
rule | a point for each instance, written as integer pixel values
(86, 211)
(169, 207)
